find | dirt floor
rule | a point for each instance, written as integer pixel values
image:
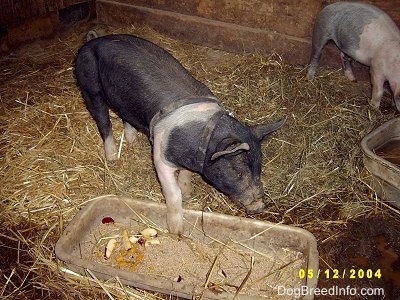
(52, 161)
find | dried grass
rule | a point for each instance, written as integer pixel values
(52, 158)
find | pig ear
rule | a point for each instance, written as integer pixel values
(230, 150)
(263, 131)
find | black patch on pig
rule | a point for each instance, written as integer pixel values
(183, 143)
(132, 76)
(232, 174)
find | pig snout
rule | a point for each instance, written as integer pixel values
(255, 207)
(252, 199)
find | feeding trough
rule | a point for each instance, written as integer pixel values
(381, 150)
(218, 257)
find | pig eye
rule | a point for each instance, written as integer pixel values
(239, 175)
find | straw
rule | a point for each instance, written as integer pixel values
(52, 158)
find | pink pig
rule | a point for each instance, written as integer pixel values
(366, 34)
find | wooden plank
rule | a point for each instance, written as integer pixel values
(212, 33)
(29, 30)
(283, 16)
(17, 12)
(24, 20)
(220, 35)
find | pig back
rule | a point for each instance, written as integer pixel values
(137, 77)
(345, 22)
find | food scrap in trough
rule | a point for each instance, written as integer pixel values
(107, 220)
(126, 250)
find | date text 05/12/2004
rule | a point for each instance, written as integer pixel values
(340, 274)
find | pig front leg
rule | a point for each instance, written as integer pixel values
(185, 184)
(130, 133)
(377, 81)
(173, 197)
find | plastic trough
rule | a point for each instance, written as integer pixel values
(386, 175)
(260, 235)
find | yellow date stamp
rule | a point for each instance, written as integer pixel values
(340, 274)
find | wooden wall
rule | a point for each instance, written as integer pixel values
(25, 20)
(284, 26)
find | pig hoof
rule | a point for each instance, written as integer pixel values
(130, 133)
(110, 149)
(255, 207)
(176, 231)
(111, 154)
(175, 228)
(350, 76)
(374, 105)
(310, 76)
(111, 157)
(130, 137)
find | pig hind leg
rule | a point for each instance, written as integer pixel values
(347, 67)
(100, 113)
(317, 46)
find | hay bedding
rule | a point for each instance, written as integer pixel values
(52, 156)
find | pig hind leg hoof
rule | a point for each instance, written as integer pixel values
(347, 68)
(130, 133)
(110, 148)
(311, 72)
(185, 184)
(100, 113)
(315, 57)
(311, 69)
(310, 75)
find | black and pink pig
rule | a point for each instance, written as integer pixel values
(366, 34)
(189, 128)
